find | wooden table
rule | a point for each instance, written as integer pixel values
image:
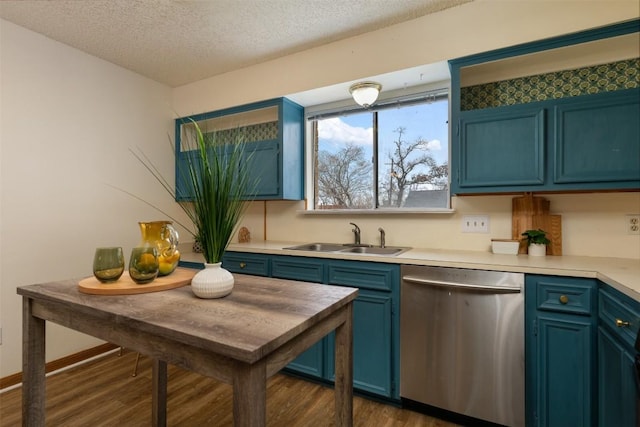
(241, 339)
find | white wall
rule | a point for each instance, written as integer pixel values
(68, 120)
(593, 224)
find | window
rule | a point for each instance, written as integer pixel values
(393, 156)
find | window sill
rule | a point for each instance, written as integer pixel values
(432, 211)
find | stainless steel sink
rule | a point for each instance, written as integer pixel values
(318, 247)
(376, 250)
(349, 248)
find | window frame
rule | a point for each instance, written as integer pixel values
(405, 97)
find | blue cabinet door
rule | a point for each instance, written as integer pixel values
(372, 344)
(263, 160)
(597, 139)
(565, 371)
(376, 325)
(311, 362)
(617, 389)
(500, 147)
(619, 318)
(184, 183)
(560, 346)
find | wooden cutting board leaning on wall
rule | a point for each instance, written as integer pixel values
(532, 213)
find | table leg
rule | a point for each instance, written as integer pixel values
(344, 371)
(159, 394)
(250, 394)
(33, 367)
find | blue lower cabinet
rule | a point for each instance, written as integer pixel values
(299, 268)
(619, 318)
(376, 320)
(560, 343)
(311, 362)
(617, 397)
(372, 344)
(565, 374)
(246, 263)
(376, 325)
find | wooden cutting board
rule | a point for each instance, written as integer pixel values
(552, 224)
(528, 213)
(126, 286)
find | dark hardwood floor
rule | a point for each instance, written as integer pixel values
(103, 393)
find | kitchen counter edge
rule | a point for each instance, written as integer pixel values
(621, 273)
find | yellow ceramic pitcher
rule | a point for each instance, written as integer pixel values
(165, 238)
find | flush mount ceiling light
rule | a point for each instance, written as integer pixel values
(365, 93)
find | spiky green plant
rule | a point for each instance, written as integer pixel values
(220, 182)
(217, 172)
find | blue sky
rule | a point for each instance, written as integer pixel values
(426, 121)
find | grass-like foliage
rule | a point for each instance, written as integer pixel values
(221, 188)
(220, 181)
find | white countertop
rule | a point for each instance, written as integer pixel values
(620, 273)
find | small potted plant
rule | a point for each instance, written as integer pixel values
(537, 242)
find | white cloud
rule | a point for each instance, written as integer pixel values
(434, 145)
(336, 130)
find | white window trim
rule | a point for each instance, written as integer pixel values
(377, 211)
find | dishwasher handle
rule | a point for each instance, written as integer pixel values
(444, 284)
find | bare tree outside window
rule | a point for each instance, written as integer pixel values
(410, 166)
(344, 179)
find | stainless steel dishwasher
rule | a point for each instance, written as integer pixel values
(462, 342)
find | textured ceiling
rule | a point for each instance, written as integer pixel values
(178, 42)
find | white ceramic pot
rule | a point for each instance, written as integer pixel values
(212, 282)
(537, 249)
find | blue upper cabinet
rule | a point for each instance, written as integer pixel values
(597, 139)
(274, 132)
(501, 148)
(523, 120)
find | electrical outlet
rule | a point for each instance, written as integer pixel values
(475, 223)
(633, 224)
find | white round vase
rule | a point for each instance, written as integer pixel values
(537, 249)
(212, 282)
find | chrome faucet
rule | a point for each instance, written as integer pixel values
(356, 232)
(382, 234)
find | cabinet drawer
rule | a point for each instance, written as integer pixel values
(298, 268)
(365, 275)
(238, 262)
(570, 295)
(614, 308)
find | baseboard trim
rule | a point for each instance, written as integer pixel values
(63, 362)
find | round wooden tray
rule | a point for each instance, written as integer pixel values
(126, 286)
